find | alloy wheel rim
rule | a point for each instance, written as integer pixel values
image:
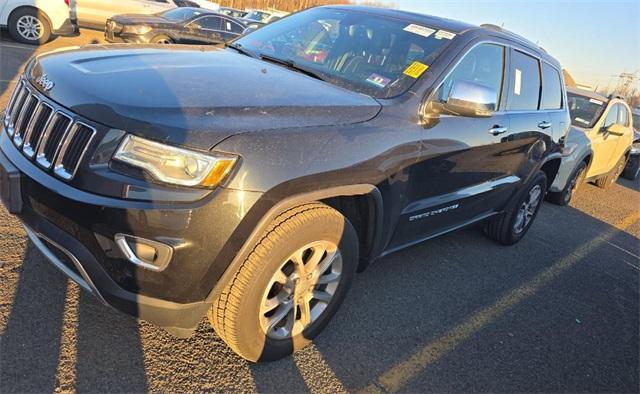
(528, 209)
(30, 27)
(163, 41)
(300, 290)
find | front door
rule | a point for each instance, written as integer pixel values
(461, 175)
(604, 144)
(204, 30)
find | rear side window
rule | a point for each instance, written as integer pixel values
(232, 26)
(483, 65)
(525, 83)
(551, 88)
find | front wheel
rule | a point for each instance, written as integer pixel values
(29, 26)
(577, 178)
(162, 39)
(610, 178)
(290, 285)
(513, 224)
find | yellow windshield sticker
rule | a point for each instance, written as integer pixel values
(416, 69)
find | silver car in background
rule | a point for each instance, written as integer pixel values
(576, 157)
(94, 13)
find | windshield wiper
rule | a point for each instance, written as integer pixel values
(241, 49)
(292, 65)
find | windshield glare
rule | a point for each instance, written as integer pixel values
(366, 53)
(585, 111)
(180, 14)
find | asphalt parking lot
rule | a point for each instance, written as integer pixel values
(558, 312)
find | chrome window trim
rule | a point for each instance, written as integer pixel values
(58, 169)
(505, 45)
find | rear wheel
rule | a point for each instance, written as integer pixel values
(29, 26)
(606, 181)
(577, 178)
(162, 40)
(513, 224)
(290, 285)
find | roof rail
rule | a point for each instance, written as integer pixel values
(491, 26)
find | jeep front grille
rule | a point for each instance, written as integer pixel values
(53, 138)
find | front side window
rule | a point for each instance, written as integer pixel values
(483, 65)
(584, 111)
(180, 14)
(370, 54)
(551, 88)
(636, 121)
(612, 116)
(525, 83)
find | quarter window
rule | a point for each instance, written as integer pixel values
(483, 65)
(551, 88)
(525, 83)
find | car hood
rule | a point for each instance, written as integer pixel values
(193, 96)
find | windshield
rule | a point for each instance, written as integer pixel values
(257, 16)
(374, 55)
(180, 14)
(585, 111)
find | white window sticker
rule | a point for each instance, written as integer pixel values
(440, 34)
(594, 101)
(518, 85)
(419, 30)
(578, 119)
(229, 26)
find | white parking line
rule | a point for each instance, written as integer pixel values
(18, 46)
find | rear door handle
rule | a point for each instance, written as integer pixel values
(544, 125)
(495, 130)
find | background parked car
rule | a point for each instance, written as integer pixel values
(35, 22)
(264, 16)
(94, 13)
(632, 169)
(232, 12)
(180, 25)
(606, 121)
(209, 5)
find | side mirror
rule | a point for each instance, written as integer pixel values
(471, 99)
(615, 129)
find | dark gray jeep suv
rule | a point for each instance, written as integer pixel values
(251, 182)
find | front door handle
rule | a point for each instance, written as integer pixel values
(544, 125)
(495, 130)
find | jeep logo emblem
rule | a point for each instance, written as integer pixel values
(45, 82)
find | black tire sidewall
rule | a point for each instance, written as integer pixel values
(539, 179)
(13, 29)
(568, 190)
(264, 348)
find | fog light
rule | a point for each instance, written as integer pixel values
(145, 253)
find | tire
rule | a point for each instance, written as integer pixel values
(162, 39)
(29, 26)
(506, 228)
(573, 184)
(240, 315)
(632, 170)
(612, 176)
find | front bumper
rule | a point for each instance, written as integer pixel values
(75, 230)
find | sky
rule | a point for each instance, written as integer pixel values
(594, 41)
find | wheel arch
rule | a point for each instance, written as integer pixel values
(550, 166)
(353, 201)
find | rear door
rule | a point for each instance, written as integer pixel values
(461, 176)
(530, 135)
(230, 29)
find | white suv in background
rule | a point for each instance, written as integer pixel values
(36, 21)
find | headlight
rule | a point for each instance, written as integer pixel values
(173, 165)
(141, 29)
